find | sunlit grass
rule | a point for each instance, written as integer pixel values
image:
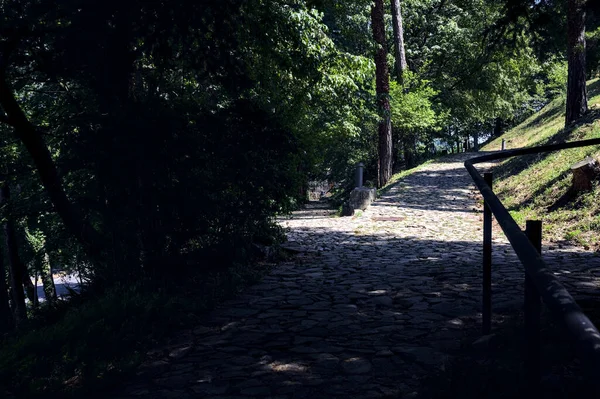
(537, 187)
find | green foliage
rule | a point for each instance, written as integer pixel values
(557, 73)
(412, 105)
(593, 52)
(186, 128)
(87, 342)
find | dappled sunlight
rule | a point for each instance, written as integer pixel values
(369, 300)
(294, 368)
(377, 292)
(456, 322)
(381, 308)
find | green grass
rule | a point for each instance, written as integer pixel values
(537, 186)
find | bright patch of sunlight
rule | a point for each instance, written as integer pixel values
(456, 322)
(377, 292)
(287, 367)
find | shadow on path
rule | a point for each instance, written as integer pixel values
(368, 309)
(368, 318)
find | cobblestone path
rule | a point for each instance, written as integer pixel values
(368, 308)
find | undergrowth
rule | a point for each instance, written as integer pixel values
(91, 343)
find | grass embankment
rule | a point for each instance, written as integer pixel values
(89, 344)
(538, 186)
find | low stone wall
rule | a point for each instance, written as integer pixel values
(318, 189)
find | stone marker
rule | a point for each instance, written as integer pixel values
(347, 209)
(362, 197)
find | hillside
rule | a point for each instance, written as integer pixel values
(537, 186)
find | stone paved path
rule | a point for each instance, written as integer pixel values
(367, 309)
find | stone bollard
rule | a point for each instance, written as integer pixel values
(362, 197)
(358, 178)
(503, 144)
(347, 209)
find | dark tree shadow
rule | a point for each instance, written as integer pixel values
(365, 315)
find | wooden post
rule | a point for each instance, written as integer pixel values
(533, 230)
(486, 312)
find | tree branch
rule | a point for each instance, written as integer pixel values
(86, 234)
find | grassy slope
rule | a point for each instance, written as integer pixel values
(530, 185)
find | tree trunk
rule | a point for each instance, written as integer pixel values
(48, 279)
(36, 298)
(91, 240)
(498, 125)
(396, 152)
(400, 57)
(476, 140)
(384, 164)
(5, 314)
(409, 151)
(584, 173)
(16, 271)
(399, 52)
(576, 89)
(30, 288)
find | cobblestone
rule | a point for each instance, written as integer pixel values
(370, 305)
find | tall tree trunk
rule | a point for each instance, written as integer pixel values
(576, 89)
(16, 271)
(5, 314)
(409, 143)
(91, 240)
(47, 278)
(400, 56)
(30, 288)
(384, 164)
(476, 140)
(498, 125)
(36, 297)
(399, 52)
